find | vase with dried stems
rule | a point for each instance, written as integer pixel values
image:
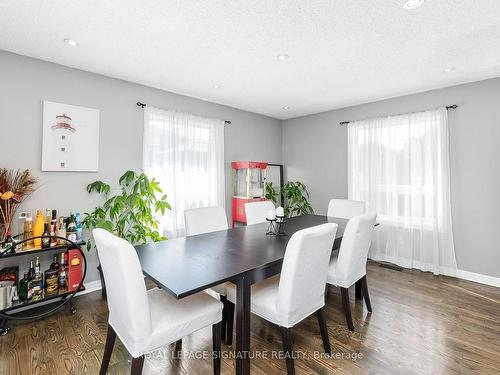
(15, 187)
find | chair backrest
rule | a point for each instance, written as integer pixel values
(256, 212)
(128, 304)
(345, 208)
(304, 271)
(353, 253)
(205, 220)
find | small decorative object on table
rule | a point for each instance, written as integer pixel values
(271, 218)
(277, 222)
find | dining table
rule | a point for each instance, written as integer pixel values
(243, 255)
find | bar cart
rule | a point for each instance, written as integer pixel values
(48, 304)
(249, 179)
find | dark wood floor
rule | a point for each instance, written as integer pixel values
(421, 324)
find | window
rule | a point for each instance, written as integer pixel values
(399, 166)
(186, 154)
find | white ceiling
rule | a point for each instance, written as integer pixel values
(341, 52)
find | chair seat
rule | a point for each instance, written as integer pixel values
(172, 318)
(337, 278)
(220, 289)
(264, 298)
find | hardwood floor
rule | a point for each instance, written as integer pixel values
(421, 324)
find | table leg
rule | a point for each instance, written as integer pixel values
(243, 326)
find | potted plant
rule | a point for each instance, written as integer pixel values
(296, 197)
(129, 214)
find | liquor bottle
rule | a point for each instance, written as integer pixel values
(31, 276)
(71, 228)
(79, 227)
(48, 216)
(37, 293)
(46, 237)
(62, 277)
(23, 288)
(38, 229)
(55, 263)
(53, 225)
(28, 230)
(61, 231)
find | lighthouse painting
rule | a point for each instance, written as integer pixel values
(70, 138)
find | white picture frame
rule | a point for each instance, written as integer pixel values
(70, 140)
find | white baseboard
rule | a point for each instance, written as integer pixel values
(460, 274)
(91, 286)
(479, 278)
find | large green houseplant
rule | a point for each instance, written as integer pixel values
(129, 214)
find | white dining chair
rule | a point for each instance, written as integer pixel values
(350, 265)
(299, 290)
(345, 208)
(256, 212)
(146, 320)
(205, 220)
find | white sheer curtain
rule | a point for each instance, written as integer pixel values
(399, 165)
(185, 153)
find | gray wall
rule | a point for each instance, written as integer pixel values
(315, 151)
(26, 82)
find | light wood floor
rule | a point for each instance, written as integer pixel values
(421, 324)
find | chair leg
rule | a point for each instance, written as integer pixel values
(229, 323)
(224, 301)
(347, 308)
(286, 335)
(108, 349)
(358, 290)
(137, 364)
(366, 294)
(324, 330)
(216, 341)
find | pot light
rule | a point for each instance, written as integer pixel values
(216, 86)
(283, 57)
(413, 4)
(71, 42)
(449, 69)
(286, 107)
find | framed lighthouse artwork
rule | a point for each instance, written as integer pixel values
(70, 138)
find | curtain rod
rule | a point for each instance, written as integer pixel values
(139, 104)
(453, 106)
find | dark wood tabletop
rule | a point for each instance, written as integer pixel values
(184, 266)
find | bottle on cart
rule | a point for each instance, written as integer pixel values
(79, 227)
(31, 276)
(37, 293)
(48, 216)
(61, 231)
(55, 263)
(38, 229)
(46, 237)
(62, 277)
(28, 231)
(71, 228)
(23, 288)
(52, 228)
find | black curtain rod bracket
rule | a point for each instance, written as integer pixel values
(143, 105)
(448, 107)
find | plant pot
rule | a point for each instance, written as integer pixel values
(103, 284)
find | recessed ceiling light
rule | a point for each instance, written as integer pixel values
(283, 57)
(449, 69)
(286, 107)
(71, 42)
(412, 4)
(216, 86)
